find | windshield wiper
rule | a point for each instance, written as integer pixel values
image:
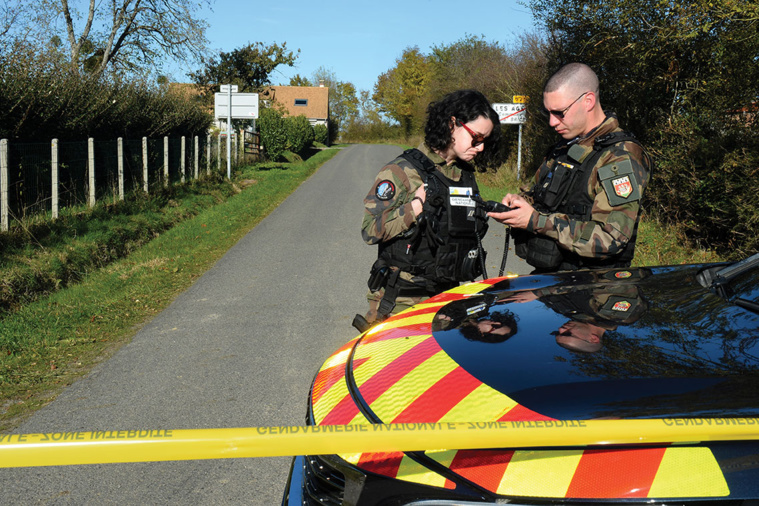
(727, 274)
(719, 276)
(719, 279)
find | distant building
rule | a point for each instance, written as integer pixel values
(310, 101)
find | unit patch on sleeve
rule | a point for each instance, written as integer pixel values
(619, 182)
(385, 190)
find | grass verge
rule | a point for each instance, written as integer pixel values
(48, 343)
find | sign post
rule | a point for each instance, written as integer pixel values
(514, 114)
(232, 105)
(229, 88)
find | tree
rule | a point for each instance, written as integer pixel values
(298, 80)
(684, 76)
(9, 16)
(124, 35)
(402, 92)
(689, 53)
(343, 104)
(471, 62)
(250, 67)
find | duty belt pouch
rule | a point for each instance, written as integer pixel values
(378, 275)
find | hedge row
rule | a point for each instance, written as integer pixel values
(288, 133)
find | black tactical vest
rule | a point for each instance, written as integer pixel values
(443, 246)
(562, 188)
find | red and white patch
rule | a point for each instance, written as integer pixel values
(622, 306)
(622, 186)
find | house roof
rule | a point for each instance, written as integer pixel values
(311, 101)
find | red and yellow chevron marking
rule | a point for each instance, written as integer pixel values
(404, 376)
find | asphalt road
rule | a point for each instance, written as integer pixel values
(238, 349)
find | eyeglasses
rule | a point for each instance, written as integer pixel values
(477, 139)
(560, 114)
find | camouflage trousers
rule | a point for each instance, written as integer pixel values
(401, 303)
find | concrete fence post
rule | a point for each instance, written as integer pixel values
(208, 154)
(182, 160)
(54, 178)
(197, 157)
(145, 164)
(91, 169)
(166, 162)
(4, 204)
(120, 154)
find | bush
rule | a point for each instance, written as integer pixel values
(273, 133)
(41, 98)
(300, 133)
(321, 134)
(702, 182)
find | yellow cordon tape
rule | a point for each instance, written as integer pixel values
(102, 447)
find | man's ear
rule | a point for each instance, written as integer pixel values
(590, 99)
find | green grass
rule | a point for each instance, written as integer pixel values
(49, 342)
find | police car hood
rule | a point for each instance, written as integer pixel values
(649, 342)
(638, 343)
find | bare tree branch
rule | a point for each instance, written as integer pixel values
(127, 34)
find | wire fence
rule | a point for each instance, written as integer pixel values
(40, 179)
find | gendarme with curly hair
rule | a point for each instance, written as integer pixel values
(419, 212)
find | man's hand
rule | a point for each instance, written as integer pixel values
(520, 214)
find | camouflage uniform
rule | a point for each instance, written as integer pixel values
(614, 203)
(391, 215)
(606, 306)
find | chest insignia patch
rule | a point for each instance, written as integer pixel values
(385, 190)
(622, 305)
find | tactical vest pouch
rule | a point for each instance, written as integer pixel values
(457, 262)
(539, 251)
(471, 265)
(461, 213)
(520, 241)
(557, 187)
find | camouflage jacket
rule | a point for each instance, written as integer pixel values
(612, 223)
(387, 206)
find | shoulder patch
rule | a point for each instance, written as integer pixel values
(619, 182)
(385, 190)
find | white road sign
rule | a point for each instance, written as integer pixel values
(511, 114)
(244, 105)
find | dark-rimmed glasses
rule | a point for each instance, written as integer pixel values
(477, 139)
(560, 114)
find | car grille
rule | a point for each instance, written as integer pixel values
(323, 484)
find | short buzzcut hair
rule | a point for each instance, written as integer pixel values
(577, 77)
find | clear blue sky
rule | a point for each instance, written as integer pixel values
(358, 40)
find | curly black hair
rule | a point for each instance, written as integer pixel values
(470, 330)
(466, 106)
